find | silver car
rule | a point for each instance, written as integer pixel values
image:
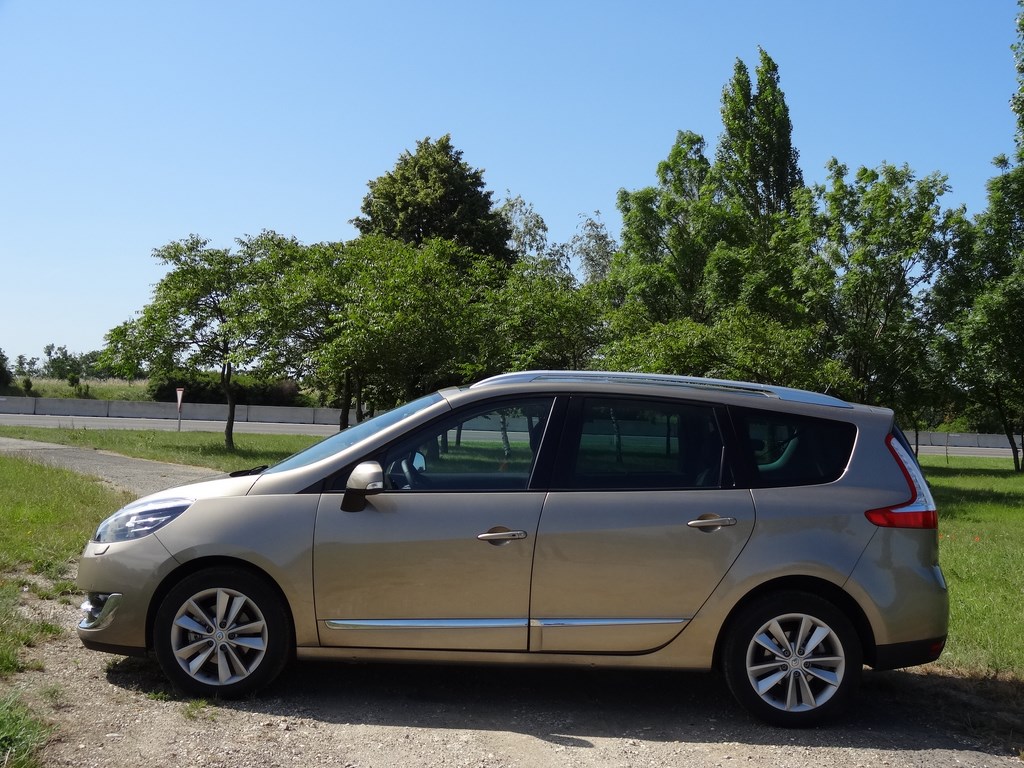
(784, 537)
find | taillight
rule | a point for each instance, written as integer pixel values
(919, 510)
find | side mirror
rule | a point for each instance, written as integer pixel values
(366, 479)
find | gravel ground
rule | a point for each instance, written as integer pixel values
(119, 713)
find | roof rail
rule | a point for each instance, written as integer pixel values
(662, 379)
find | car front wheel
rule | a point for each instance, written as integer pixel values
(792, 659)
(222, 633)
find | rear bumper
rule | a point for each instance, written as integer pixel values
(897, 655)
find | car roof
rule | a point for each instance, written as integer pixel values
(693, 383)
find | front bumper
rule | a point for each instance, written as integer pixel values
(121, 580)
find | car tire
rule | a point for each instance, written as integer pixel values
(792, 659)
(222, 633)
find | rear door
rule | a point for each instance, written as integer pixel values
(639, 528)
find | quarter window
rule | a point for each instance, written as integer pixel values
(795, 450)
(629, 444)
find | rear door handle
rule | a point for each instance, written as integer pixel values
(501, 536)
(711, 522)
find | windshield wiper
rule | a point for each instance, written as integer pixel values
(244, 472)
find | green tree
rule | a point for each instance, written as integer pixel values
(756, 162)
(592, 248)
(123, 354)
(994, 359)
(5, 374)
(60, 363)
(978, 292)
(886, 236)
(434, 193)
(414, 318)
(199, 318)
(528, 232)
(972, 303)
(723, 256)
(26, 366)
(670, 229)
(302, 292)
(541, 318)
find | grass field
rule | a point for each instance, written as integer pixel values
(981, 512)
(981, 530)
(46, 515)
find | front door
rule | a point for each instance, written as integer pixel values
(442, 558)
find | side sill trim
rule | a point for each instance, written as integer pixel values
(425, 623)
(549, 623)
(355, 624)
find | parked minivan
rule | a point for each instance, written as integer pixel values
(784, 537)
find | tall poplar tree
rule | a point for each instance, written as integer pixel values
(756, 163)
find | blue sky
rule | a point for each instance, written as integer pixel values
(126, 125)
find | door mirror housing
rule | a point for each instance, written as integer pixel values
(366, 479)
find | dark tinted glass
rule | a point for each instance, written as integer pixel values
(795, 450)
(626, 444)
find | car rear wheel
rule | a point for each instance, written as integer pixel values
(222, 633)
(792, 659)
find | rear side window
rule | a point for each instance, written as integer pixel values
(786, 449)
(630, 444)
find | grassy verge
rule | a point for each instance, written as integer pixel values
(200, 449)
(981, 509)
(46, 515)
(93, 389)
(981, 526)
(21, 734)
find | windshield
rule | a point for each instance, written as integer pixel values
(354, 434)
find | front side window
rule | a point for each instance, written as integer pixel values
(492, 448)
(787, 449)
(626, 444)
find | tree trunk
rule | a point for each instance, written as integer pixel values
(505, 445)
(346, 401)
(229, 395)
(359, 399)
(1004, 419)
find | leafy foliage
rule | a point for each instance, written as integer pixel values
(6, 377)
(200, 317)
(729, 266)
(434, 194)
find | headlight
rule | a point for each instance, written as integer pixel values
(140, 518)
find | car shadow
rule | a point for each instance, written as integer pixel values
(575, 707)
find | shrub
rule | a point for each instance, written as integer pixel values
(205, 388)
(6, 377)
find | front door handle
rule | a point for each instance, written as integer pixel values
(501, 535)
(709, 523)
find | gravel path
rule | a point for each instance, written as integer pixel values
(137, 476)
(119, 713)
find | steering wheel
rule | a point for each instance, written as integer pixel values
(414, 478)
(410, 474)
